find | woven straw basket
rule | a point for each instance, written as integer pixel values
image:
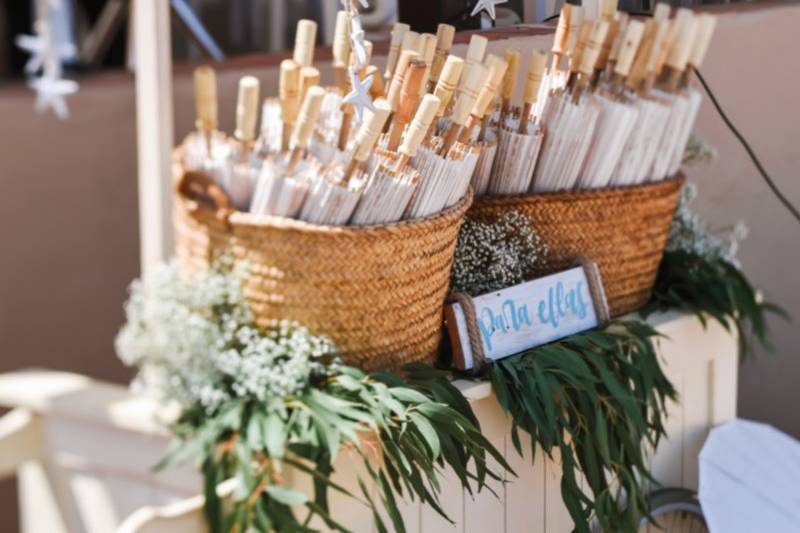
(622, 229)
(377, 291)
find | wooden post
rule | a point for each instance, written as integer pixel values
(154, 129)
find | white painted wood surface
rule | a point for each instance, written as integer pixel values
(154, 128)
(21, 440)
(98, 444)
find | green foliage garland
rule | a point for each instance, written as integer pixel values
(418, 429)
(598, 397)
(712, 287)
(256, 404)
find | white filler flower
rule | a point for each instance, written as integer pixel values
(196, 342)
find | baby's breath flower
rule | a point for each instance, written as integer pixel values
(690, 233)
(492, 256)
(196, 342)
(698, 151)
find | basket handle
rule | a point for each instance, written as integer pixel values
(202, 191)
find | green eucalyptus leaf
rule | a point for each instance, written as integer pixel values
(212, 506)
(598, 397)
(286, 495)
(407, 395)
(255, 434)
(181, 451)
(712, 288)
(274, 432)
(349, 382)
(428, 432)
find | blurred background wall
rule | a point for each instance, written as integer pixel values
(248, 26)
(69, 240)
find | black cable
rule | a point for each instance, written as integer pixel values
(774, 188)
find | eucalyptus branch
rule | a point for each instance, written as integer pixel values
(713, 287)
(599, 397)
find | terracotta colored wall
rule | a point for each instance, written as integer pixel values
(68, 235)
(69, 241)
(752, 67)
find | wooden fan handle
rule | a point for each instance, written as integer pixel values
(706, 24)
(448, 81)
(594, 45)
(419, 125)
(685, 27)
(410, 42)
(638, 70)
(497, 69)
(304, 40)
(560, 38)
(444, 42)
(476, 49)
(474, 78)
(580, 46)
(398, 32)
(608, 43)
(307, 120)
(205, 95)
(393, 94)
(510, 78)
(573, 31)
(409, 98)
(369, 132)
(660, 41)
(608, 9)
(377, 89)
(409, 94)
(247, 109)
(288, 90)
(427, 51)
(622, 26)
(627, 50)
(533, 80)
(309, 77)
(341, 39)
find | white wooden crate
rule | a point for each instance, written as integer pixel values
(99, 443)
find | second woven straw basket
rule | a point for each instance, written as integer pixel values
(622, 229)
(377, 291)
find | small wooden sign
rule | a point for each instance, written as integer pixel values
(530, 314)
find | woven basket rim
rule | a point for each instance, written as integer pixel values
(587, 194)
(245, 219)
(241, 218)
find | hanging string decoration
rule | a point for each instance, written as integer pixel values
(488, 6)
(45, 65)
(359, 96)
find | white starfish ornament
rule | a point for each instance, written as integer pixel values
(50, 93)
(47, 54)
(359, 96)
(488, 6)
(41, 45)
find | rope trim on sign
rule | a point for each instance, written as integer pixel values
(473, 332)
(596, 290)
